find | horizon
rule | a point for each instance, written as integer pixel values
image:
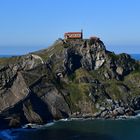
(28, 26)
(27, 50)
(32, 51)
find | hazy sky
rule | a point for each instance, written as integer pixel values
(28, 25)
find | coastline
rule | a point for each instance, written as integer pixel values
(38, 126)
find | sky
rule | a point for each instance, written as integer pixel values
(30, 25)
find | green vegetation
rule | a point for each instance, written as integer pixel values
(113, 56)
(112, 88)
(77, 93)
(11, 60)
(81, 73)
(133, 82)
(56, 48)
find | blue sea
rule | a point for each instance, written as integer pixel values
(7, 56)
(79, 130)
(135, 56)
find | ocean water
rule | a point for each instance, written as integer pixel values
(135, 56)
(79, 130)
(7, 56)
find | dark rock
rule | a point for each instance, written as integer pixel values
(130, 112)
(120, 110)
(72, 60)
(136, 103)
(104, 114)
(14, 123)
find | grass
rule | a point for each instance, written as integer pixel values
(78, 93)
(115, 88)
(56, 48)
(11, 60)
(133, 82)
(81, 73)
(112, 87)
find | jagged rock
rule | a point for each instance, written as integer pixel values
(115, 113)
(119, 70)
(107, 76)
(102, 108)
(136, 103)
(72, 60)
(14, 122)
(71, 78)
(104, 113)
(17, 92)
(130, 112)
(31, 115)
(97, 114)
(120, 110)
(6, 76)
(99, 63)
(93, 56)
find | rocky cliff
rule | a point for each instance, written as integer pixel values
(72, 78)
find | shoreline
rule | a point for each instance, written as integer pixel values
(84, 117)
(37, 126)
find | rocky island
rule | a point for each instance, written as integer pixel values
(72, 78)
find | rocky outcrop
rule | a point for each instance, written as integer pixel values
(93, 55)
(13, 92)
(72, 78)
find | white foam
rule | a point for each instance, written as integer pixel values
(124, 117)
(49, 124)
(64, 120)
(36, 126)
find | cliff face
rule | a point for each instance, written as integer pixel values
(73, 78)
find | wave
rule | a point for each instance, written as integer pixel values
(37, 126)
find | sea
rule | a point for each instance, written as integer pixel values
(7, 56)
(135, 56)
(79, 129)
(127, 129)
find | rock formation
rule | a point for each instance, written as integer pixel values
(72, 78)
